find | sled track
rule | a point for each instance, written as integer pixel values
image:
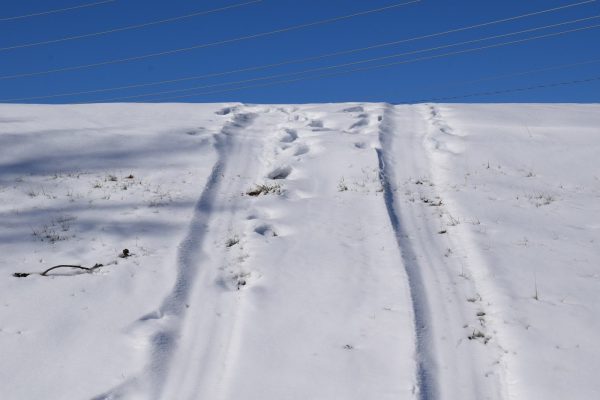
(189, 258)
(427, 384)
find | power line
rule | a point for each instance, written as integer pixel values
(368, 68)
(481, 25)
(129, 27)
(338, 66)
(303, 60)
(205, 45)
(485, 79)
(56, 11)
(517, 74)
(504, 91)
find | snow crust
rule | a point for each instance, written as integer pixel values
(331, 251)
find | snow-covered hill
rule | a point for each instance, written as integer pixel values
(340, 251)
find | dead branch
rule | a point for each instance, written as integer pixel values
(45, 273)
(124, 254)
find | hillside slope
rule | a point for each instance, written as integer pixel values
(339, 251)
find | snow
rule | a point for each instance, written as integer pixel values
(433, 251)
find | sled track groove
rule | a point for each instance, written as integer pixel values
(189, 258)
(426, 380)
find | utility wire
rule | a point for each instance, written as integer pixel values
(504, 91)
(56, 11)
(349, 64)
(130, 27)
(302, 60)
(368, 68)
(497, 77)
(205, 45)
(516, 74)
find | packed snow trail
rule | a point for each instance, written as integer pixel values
(316, 290)
(455, 356)
(191, 368)
(170, 317)
(426, 376)
(521, 183)
(331, 300)
(190, 260)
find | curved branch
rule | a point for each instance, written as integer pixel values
(65, 266)
(45, 273)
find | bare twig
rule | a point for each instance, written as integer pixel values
(64, 266)
(124, 254)
(45, 273)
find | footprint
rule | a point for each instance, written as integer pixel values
(241, 120)
(265, 230)
(353, 109)
(194, 132)
(225, 111)
(287, 110)
(280, 172)
(360, 123)
(447, 130)
(315, 123)
(151, 315)
(318, 126)
(289, 136)
(360, 145)
(433, 112)
(301, 149)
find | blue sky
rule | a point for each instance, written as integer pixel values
(444, 77)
